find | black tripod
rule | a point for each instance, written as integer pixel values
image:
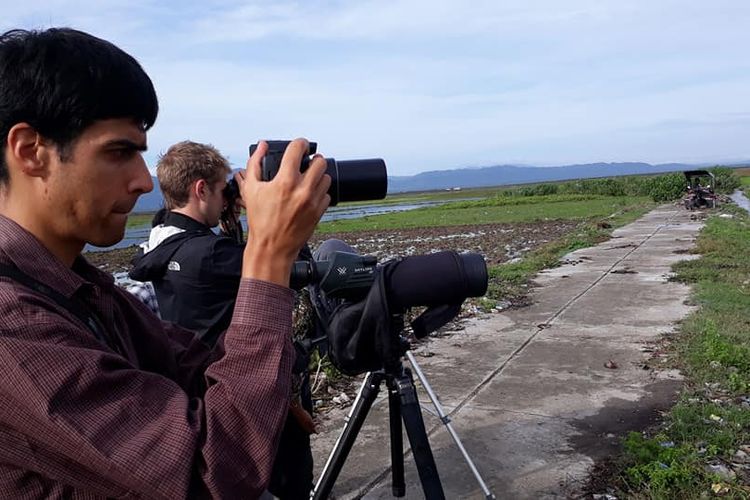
(403, 403)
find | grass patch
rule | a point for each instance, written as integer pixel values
(422, 196)
(698, 451)
(139, 219)
(497, 209)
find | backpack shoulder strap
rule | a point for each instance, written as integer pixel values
(84, 314)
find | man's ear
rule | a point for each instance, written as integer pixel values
(28, 151)
(200, 189)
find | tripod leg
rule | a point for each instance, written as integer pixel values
(415, 430)
(398, 485)
(362, 404)
(447, 422)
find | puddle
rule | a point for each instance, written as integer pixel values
(740, 199)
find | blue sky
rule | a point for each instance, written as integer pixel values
(432, 85)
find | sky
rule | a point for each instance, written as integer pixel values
(435, 85)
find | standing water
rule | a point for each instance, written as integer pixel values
(740, 199)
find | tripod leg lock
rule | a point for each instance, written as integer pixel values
(407, 392)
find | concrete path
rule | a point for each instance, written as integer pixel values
(539, 393)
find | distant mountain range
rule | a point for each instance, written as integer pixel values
(498, 175)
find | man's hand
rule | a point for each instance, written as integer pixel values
(282, 213)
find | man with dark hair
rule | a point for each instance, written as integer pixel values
(101, 399)
(196, 273)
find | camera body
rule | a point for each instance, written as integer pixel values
(351, 180)
(231, 192)
(229, 217)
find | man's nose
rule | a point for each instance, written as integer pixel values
(142, 181)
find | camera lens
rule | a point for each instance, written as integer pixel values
(357, 180)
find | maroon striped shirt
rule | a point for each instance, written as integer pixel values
(160, 418)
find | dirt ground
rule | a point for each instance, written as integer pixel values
(498, 243)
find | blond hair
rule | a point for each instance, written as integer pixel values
(182, 165)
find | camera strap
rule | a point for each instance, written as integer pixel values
(83, 313)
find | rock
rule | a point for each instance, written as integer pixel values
(721, 470)
(341, 399)
(741, 457)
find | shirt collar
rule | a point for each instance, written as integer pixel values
(27, 253)
(184, 222)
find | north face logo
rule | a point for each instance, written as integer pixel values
(173, 265)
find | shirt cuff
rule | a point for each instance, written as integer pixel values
(263, 304)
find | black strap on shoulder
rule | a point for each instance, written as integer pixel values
(84, 314)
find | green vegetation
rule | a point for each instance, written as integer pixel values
(727, 179)
(139, 219)
(691, 454)
(744, 175)
(492, 210)
(422, 196)
(658, 187)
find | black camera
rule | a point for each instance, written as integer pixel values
(231, 192)
(231, 226)
(351, 180)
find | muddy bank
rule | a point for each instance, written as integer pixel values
(498, 243)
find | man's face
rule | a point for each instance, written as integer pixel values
(215, 202)
(90, 194)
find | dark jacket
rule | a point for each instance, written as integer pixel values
(195, 272)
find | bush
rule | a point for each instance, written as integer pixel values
(538, 190)
(666, 187)
(726, 179)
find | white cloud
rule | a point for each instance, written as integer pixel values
(438, 84)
